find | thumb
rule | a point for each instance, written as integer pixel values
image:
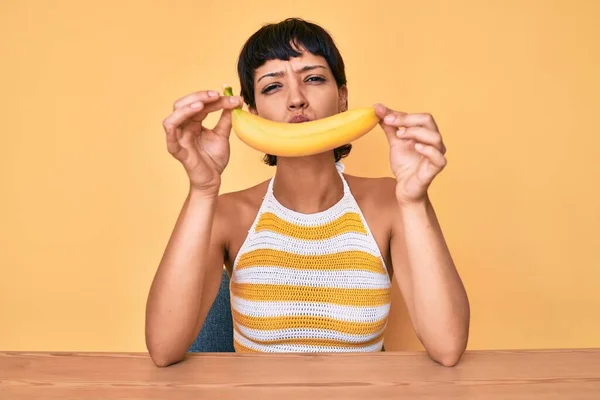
(381, 110)
(390, 131)
(223, 127)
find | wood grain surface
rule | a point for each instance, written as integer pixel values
(522, 374)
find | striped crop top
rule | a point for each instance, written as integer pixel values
(309, 282)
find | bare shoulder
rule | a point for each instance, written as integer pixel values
(238, 201)
(235, 213)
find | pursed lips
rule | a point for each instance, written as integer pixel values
(299, 119)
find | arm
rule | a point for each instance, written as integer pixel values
(433, 291)
(187, 280)
(434, 294)
(189, 275)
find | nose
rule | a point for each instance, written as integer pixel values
(296, 99)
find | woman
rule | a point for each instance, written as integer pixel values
(311, 252)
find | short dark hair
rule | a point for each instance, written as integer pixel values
(274, 41)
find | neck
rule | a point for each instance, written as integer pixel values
(307, 184)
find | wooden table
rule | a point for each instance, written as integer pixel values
(543, 374)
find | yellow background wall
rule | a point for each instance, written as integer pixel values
(90, 194)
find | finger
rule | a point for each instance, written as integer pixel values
(181, 115)
(178, 143)
(172, 125)
(408, 120)
(205, 96)
(422, 135)
(433, 162)
(223, 103)
(382, 111)
(223, 127)
(173, 145)
(435, 157)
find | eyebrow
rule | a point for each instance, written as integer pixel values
(281, 73)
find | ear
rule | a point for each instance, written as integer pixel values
(343, 96)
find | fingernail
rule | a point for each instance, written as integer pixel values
(419, 146)
(389, 119)
(197, 104)
(213, 93)
(233, 100)
(401, 131)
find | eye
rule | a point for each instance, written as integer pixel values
(269, 88)
(315, 79)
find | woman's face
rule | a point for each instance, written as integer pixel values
(297, 90)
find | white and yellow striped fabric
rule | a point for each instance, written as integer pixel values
(309, 282)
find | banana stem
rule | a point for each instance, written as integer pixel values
(228, 91)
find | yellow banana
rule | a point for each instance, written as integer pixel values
(303, 139)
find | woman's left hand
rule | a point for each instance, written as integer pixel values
(417, 152)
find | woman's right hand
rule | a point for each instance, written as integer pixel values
(203, 152)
